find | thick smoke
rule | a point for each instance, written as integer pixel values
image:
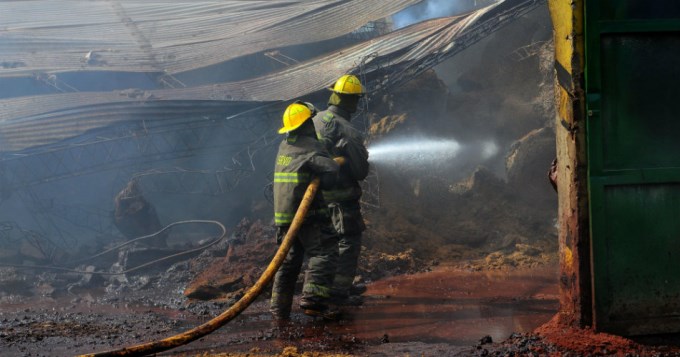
(431, 9)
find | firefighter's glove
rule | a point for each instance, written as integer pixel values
(280, 234)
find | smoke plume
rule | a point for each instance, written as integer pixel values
(431, 9)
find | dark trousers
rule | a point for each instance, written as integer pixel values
(318, 242)
(349, 249)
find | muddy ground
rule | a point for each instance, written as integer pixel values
(459, 256)
(412, 309)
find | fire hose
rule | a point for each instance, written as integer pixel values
(233, 311)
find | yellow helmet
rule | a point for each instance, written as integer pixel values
(295, 115)
(348, 84)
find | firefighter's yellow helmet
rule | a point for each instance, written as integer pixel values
(348, 84)
(295, 115)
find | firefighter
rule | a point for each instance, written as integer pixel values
(135, 217)
(341, 139)
(300, 158)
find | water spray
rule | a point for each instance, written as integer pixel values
(409, 150)
(421, 151)
(437, 153)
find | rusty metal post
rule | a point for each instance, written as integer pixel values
(574, 237)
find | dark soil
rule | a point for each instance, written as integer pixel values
(412, 308)
(443, 311)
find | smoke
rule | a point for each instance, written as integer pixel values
(431, 9)
(489, 149)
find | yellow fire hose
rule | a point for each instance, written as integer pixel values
(239, 306)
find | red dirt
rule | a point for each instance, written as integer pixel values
(587, 342)
(229, 277)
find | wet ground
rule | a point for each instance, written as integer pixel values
(442, 312)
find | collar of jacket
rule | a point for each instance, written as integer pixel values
(340, 112)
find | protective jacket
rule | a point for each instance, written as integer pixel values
(299, 160)
(341, 139)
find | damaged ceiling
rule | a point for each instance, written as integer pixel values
(293, 82)
(67, 146)
(161, 26)
(167, 36)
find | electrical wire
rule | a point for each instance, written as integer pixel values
(235, 309)
(189, 251)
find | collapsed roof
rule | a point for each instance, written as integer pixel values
(167, 36)
(90, 95)
(175, 36)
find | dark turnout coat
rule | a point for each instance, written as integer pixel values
(341, 139)
(299, 160)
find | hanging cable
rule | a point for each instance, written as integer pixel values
(189, 251)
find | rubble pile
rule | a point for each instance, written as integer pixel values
(491, 206)
(229, 276)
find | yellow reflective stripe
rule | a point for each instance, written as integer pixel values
(291, 177)
(316, 290)
(283, 218)
(288, 180)
(327, 117)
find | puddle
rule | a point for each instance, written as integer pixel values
(445, 306)
(457, 307)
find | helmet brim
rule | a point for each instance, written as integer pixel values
(345, 93)
(288, 129)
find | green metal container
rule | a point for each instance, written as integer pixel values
(633, 133)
